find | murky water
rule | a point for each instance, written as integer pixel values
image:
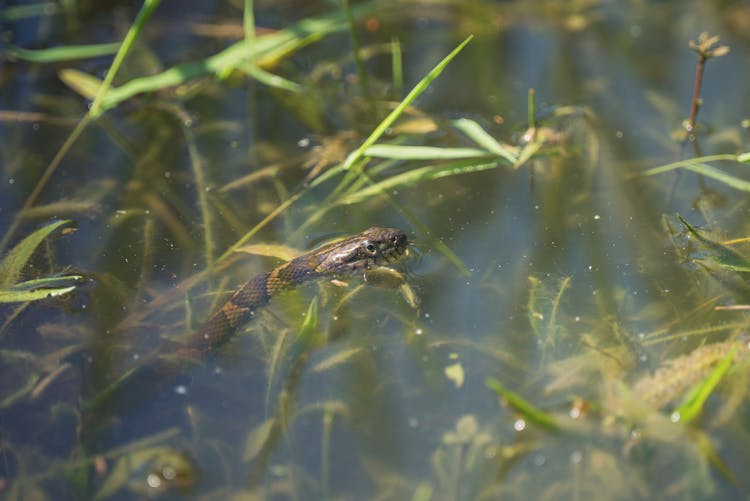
(567, 280)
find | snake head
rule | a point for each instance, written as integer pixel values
(374, 246)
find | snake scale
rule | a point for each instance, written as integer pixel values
(343, 258)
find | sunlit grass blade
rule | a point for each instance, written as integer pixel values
(418, 89)
(148, 8)
(398, 152)
(268, 78)
(87, 86)
(724, 256)
(524, 408)
(416, 176)
(34, 290)
(699, 165)
(693, 403)
(13, 263)
(721, 176)
(66, 53)
(476, 133)
(263, 51)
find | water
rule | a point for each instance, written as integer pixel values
(567, 280)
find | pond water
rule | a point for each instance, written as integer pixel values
(569, 321)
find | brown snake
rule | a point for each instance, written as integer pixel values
(342, 258)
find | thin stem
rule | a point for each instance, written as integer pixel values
(696, 92)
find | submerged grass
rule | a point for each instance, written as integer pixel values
(599, 403)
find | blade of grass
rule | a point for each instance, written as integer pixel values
(12, 264)
(65, 53)
(527, 410)
(476, 133)
(689, 162)
(399, 152)
(127, 44)
(397, 66)
(416, 176)
(724, 256)
(418, 89)
(721, 176)
(693, 403)
(222, 63)
(94, 111)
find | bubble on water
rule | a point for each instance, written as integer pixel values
(153, 480)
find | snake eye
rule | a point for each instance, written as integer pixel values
(370, 248)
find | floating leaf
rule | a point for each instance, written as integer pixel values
(455, 373)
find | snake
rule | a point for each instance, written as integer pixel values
(340, 259)
(347, 257)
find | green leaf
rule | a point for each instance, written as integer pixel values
(65, 53)
(222, 63)
(527, 410)
(14, 262)
(399, 152)
(723, 255)
(357, 154)
(256, 439)
(693, 403)
(12, 296)
(85, 85)
(476, 133)
(418, 175)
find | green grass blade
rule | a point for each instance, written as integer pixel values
(82, 83)
(269, 79)
(524, 408)
(66, 53)
(689, 162)
(693, 403)
(416, 176)
(127, 44)
(418, 89)
(476, 133)
(398, 152)
(13, 296)
(721, 176)
(13, 263)
(723, 255)
(222, 63)
(397, 66)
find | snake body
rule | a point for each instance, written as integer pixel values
(342, 258)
